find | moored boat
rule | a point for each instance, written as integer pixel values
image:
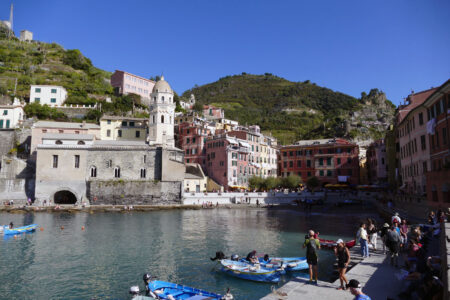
(169, 290)
(289, 264)
(18, 230)
(330, 244)
(251, 272)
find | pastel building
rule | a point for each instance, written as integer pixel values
(123, 128)
(26, 36)
(413, 146)
(40, 128)
(331, 161)
(227, 161)
(126, 83)
(437, 107)
(11, 116)
(191, 137)
(211, 112)
(51, 95)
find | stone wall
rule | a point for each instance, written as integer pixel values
(75, 112)
(133, 192)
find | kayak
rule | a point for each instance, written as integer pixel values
(169, 290)
(18, 230)
(248, 271)
(290, 264)
(330, 244)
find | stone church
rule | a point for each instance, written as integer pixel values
(79, 168)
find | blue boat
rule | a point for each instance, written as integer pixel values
(290, 264)
(19, 230)
(165, 290)
(250, 272)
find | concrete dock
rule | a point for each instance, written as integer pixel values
(375, 274)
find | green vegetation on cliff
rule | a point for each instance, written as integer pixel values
(288, 110)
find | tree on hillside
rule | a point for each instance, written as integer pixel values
(76, 60)
(44, 112)
(197, 107)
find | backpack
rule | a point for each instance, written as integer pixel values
(311, 248)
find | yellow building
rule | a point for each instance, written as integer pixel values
(123, 128)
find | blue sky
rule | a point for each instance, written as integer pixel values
(349, 46)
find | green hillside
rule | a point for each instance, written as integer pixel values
(289, 110)
(42, 63)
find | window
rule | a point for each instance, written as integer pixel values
(188, 140)
(53, 100)
(444, 136)
(423, 142)
(162, 99)
(349, 160)
(329, 173)
(60, 131)
(162, 119)
(93, 171)
(108, 133)
(108, 122)
(320, 161)
(285, 164)
(119, 133)
(124, 123)
(321, 172)
(37, 90)
(55, 161)
(143, 173)
(145, 159)
(37, 100)
(424, 166)
(7, 123)
(77, 161)
(420, 118)
(338, 161)
(309, 174)
(58, 142)
(329, 161)
(131, 124)
(1, 123)
(308, 163)
(81, 143)
(138, 133)
(299, 163)
(5, 112)
(291, 164)
(117, 172)
(53, 91)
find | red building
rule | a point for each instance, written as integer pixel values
(191, 137)
(438, 130)
(332, 161)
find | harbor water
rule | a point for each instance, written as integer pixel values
(100, 255)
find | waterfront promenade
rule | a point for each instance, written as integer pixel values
(375, 275)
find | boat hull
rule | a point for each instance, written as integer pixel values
(19, 230)
(330, 244)
(178, 291)
(249, 272)
(290, 264)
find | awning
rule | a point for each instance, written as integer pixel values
(232, 141)
(244, 144)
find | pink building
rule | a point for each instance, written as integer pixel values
(377, 162)
(127, 83)
(40, 128)
(413, 146)
(191, 137)
(212, 112)
(227, 161)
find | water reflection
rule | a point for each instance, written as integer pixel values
(114, 250)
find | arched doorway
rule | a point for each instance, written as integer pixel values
(64, 197)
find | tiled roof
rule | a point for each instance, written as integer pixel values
(415, 100)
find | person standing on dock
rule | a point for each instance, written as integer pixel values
(393, 242)
(343, 256)
(312, 245)
(355, 289)
(363, 240)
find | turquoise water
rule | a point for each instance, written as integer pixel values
(115, 249)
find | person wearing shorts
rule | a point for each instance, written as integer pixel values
(312, 245)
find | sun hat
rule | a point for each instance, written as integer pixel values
(354, 284)
(386, 225)
(339, 241)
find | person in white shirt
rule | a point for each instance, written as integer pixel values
(363, 240)
(396, 219)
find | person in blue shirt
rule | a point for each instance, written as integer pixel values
(355, 289)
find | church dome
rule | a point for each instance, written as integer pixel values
(162, 86)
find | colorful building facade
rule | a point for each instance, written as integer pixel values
(331, 161)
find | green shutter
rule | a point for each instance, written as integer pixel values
(1, 123)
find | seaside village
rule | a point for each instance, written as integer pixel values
(195, 156)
